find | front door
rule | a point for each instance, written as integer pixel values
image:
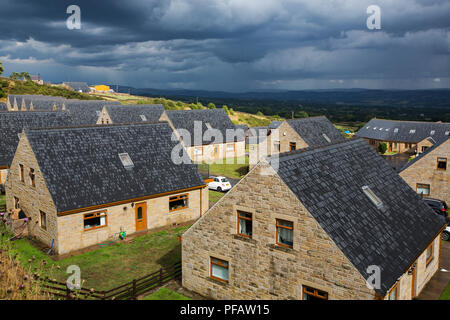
(141, 216)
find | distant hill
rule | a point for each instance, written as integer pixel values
(8, 86)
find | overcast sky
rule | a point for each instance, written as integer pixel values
(231, 45)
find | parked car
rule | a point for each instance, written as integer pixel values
(439, 206)
(219, 184)
(446, 234)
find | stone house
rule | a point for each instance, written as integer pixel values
(403, 136)
(317, 223)
(207, 135)
(86, 112)
(429, 173)
(292, 135)
(114, 114)
(11, 126)
(82, 186)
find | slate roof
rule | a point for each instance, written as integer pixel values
(275, 124)
(40, 102)
(133, 113)
(423, 154)
(3, 106)
(81, 166)
(400, 131)
(12, 124)
(312, 130)
(86, 112)
(217, 118)
(329, 180)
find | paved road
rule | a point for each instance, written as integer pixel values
(437, 284)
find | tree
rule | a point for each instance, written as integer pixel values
(259, 113)
(211, 105)
(1, 68)
(232, 111)
(300, 114)
(382, 147)
(19, 76)
(224, 107)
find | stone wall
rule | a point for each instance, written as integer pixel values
(32, 199)
(399, 147)
(424, 171)
(72, 236)
(104, 117)
(217, 151)
(258, 268)
(3, 175)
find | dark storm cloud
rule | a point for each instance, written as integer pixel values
(229, 44)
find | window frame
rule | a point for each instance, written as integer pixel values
(277, 145)
(313, 292)
(229, 145)
(227, 267)
(239, 217)
(43, 225)
(284, 227)
(441, 160)
(97, 214)
(395, 287)
(21, 173)
(32, 175)
(179, 197)
(422, 186)
(431, 258)
(292, 144)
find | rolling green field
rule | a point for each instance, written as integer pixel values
(166, 294)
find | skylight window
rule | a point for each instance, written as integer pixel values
(99, 113)
(387, 129)
(368, 127)
(432, 132)
(374, 128)
(372, 196)
(381, 129)
(326, 137)
(447, 133)
(396, 130)
(208, 125)
(143, 117)
(126, 160)
(412, 131)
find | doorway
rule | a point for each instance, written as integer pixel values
(141, 216)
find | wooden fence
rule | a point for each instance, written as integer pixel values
(128, 291)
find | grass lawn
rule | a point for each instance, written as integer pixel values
(215, 196)
(109, 266)
(166, 294)
(2, 200)
(446, 293)
(236, 168)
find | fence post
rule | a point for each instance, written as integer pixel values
(134, 290)
(67, 293)
(160, 275)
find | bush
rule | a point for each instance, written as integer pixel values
(382, 148)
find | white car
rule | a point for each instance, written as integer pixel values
(219, 184)
(446, 234)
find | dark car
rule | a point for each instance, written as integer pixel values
(439, 206)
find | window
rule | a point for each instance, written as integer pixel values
(326, 137)
(429, 254)
(178, 202)
(277, 146)
(442, 163)
(372, 142)
(447, 133)
(208, 125)
(16, 203)
(285, 233)
(314, 294)
(396, 130)
(94, 220)
(126, 160)
(21, 174)
(412, 131)
(99, 113)
(424, 148)
(423, 189)
(393, 294)
(432, 132)
(32, 177)
(372, 196)
(219, 269)
(143, 117)
(244, 224)
(43, 220)
(292, 146)
(230, 147)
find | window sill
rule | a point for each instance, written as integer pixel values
(281, 248)
(245, 239)
(93, 229)
(222, 283)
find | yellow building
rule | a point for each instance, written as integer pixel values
(101, 88)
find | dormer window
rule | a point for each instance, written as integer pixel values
(326, 137)
(143, 117)
(126, 160)
(372, 196)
